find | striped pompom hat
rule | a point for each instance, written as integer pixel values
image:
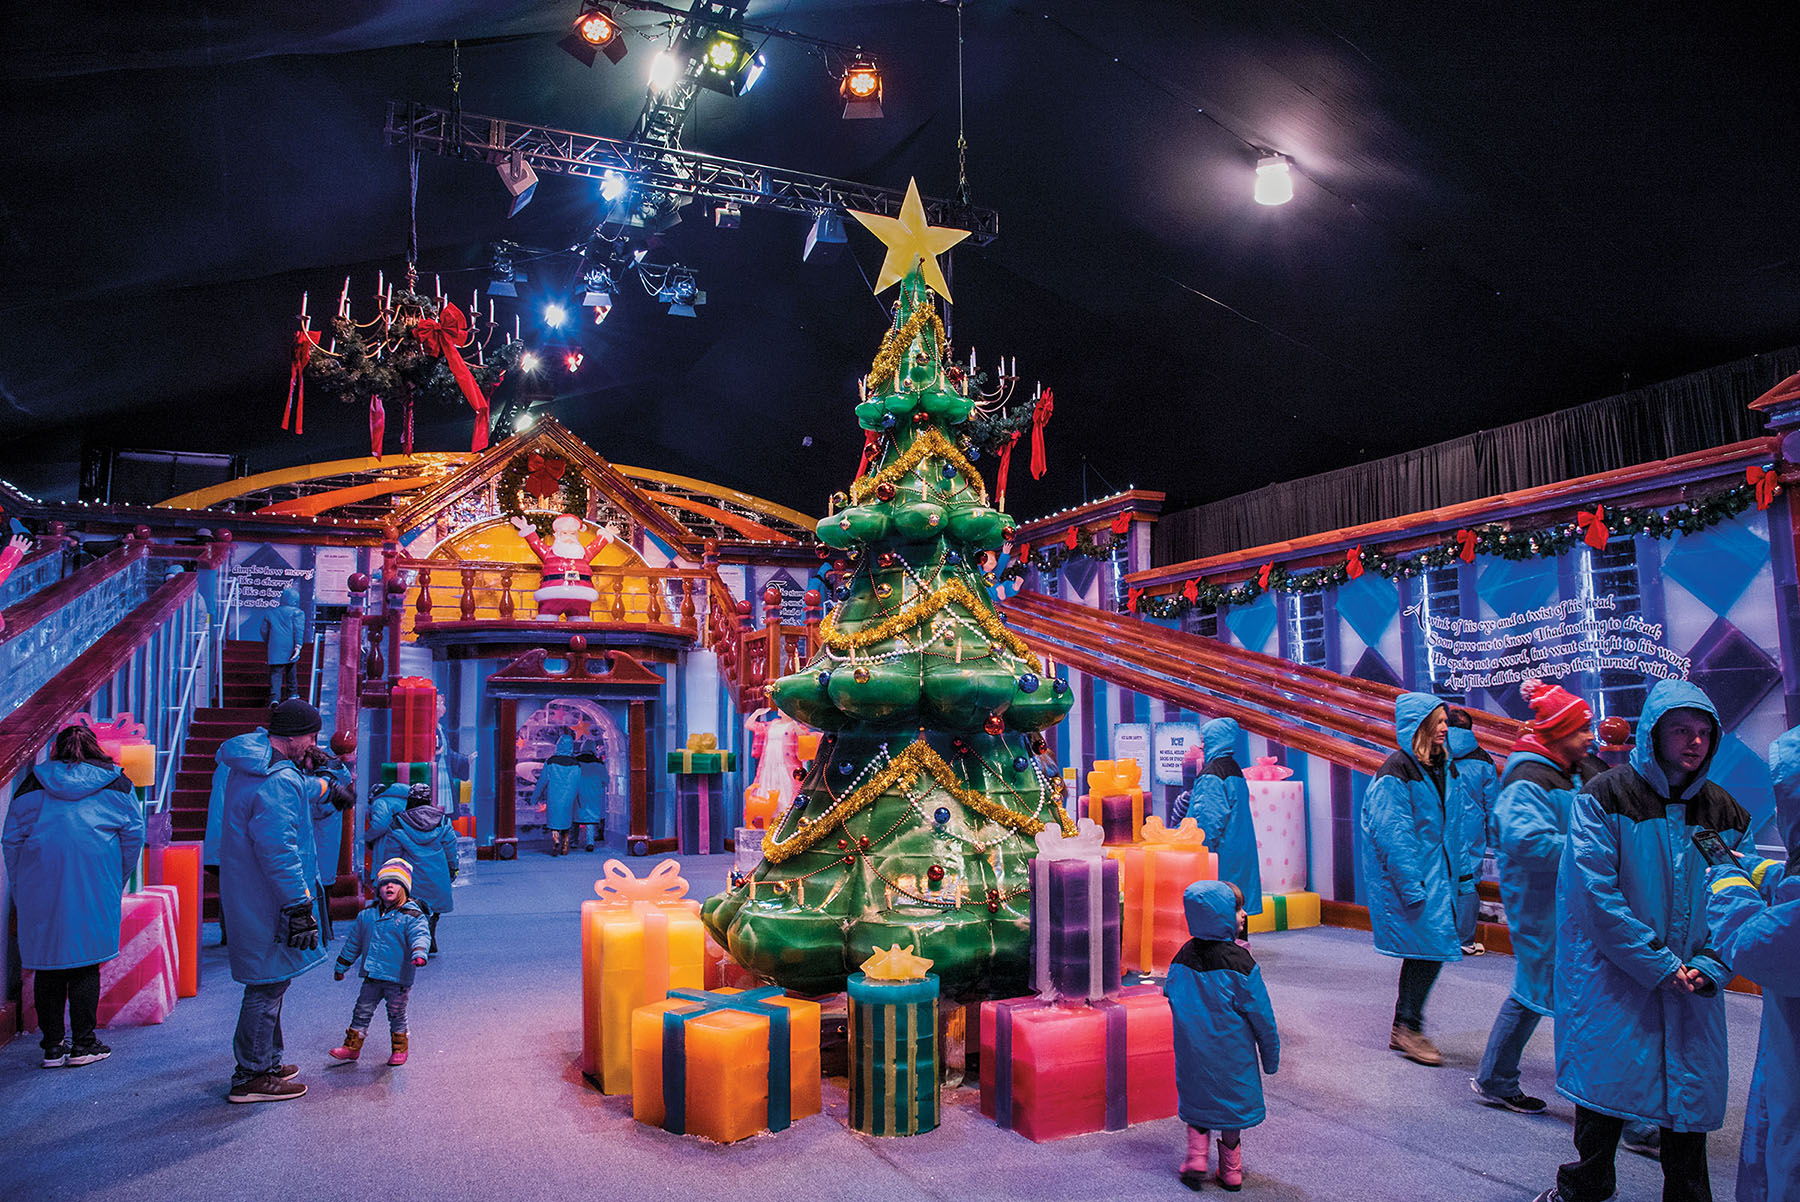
(397, 871)
(1555, 711)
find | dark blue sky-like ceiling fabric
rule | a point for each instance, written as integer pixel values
(1498, 212)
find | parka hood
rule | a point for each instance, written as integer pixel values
(1410, 712)
(250, 753)
(290, 597)
(1462, 742)
(71, 782)
(1784, 767)
(1211, 910)
(423, 818)
(1665, 696)
(1219, 737)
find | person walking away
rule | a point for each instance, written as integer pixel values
(1532, 817)
(420, 834)
(557, 783)
(391, 936)
(283, 631)
(1223, 1023)
(268, 870)
(1640, 1026)
(1414, 856)
(1480, 781)
(590, 797)
(72, 837)
(1754, 913)
(1219, 803)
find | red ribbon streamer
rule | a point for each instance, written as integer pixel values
(1262, 576)
(545, 473)
(1353, 563)
(871, 441)
(1071, 538)
(377, 425)
(1131, 599)
(1466, 540)
(406, 436)
(304, 341)
(1595, 525)
(1040, 417)
(442, 337)
(1764, 480)
(1121, 524)
(1005, 466)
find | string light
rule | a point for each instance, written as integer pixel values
(1274, 181)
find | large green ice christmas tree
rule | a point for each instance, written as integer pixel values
(915, 823)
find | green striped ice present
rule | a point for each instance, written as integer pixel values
(893, 1055)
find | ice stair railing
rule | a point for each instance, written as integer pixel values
(228, 611)
(194, 672)
(34, 650)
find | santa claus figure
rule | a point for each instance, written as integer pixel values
(566, 584)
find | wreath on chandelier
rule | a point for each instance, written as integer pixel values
(541, 487)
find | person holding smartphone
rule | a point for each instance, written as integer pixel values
(1640, 1026)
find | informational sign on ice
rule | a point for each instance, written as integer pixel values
(332, 569)
(1171, 741)
(1131, 741)
(1549, 642)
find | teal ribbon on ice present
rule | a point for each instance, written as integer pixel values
(674, 1051)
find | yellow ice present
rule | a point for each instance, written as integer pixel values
(639, 940)
(725, 1065)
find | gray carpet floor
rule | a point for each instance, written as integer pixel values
(492, 1103)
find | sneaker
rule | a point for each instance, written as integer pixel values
(88, 1053)
(266, 1088)
(1473, 948)
(287, 1072)
(57, 1056)
(1518, 1103)
(1414, 1046)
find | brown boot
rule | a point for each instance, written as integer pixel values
(353, 1041)
(398, 1055)
(1414, 1046)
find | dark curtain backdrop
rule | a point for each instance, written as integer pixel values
(1689, 413)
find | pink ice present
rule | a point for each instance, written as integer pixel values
(137, 987)
(1278, 812)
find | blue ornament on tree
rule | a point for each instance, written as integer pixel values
(824, 679)
(1028, 683)
(942, 815)
(1019, 763)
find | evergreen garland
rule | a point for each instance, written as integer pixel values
(407, 370)
(511, 487)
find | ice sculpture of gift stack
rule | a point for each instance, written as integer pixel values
(638, 941)
(893, 1037)
(1115, 800)
(1083, 1055)
(138, 987)
(725, 1065)
(177, 866)
(1278, 811)
(700, 795)
(1155, 872)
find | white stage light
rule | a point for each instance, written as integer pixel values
(1274, 182)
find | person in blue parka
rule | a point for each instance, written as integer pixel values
(391, 936)
(283, 632)
(1223, 1021)
(1532, 817)
(405, 825)
(268, 887)
(1480, 781)
(1415, 857)
(1640, 1025)
(72, 837)
(1219, 803)
(590, 796)
(1754, 914)
(558, 783)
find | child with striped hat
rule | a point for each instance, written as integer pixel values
(392, 937)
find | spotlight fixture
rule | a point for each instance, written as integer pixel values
(520, 180)
(665, 69)
(861, 90)
(1274, 182)
(596, 32)
(612, 185)
(572, 361)
(555, 316)
(529, 362)
(825, 241)
(681, 292)
(503, 280)
(729, 64)
(728, 216)
(597, 289)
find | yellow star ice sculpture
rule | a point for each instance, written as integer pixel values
(910, 240)
(896, 963)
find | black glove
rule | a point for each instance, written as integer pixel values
(341, 795)
(301, 925)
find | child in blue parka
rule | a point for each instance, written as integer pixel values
(392, 938)
(405, 825)
(1223, 1020)
(558, 782)
(1220, 803)
(283, 633)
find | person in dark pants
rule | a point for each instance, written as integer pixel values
(1640, 1026)
(283, 630)
(1415, 856)
(72, 837)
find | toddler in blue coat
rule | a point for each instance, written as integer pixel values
(393, 938)
(1222, 1022)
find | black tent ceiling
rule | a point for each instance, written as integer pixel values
(1499, 211)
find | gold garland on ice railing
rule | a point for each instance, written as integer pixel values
(930, 442)
(903, 770)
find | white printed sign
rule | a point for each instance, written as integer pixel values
(1171, 741)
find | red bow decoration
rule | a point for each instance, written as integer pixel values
(1191, 590)
(1121, 524)
(1131, 599)
(377, 425)
(1595, 525)
(1022, 554)
(1005, 466)
(1040, 417)
(1071, 538)
(1466, 540)
(304, 341)
(1765, 483)
(545, 474)
(871, 443)
(1262, 575)
(442, 337)
(1353, 562)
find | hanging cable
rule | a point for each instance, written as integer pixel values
(962, 139)
(456, 93)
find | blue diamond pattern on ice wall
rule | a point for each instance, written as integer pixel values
(1514, 585)
(1370, 603)
(1734, 671)
(1717, 565)
(1372, 667)
(1252, 624)
(1746, 777)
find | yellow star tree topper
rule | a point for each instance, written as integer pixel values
(910, 242)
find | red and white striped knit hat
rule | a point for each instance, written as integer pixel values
(1555, 711)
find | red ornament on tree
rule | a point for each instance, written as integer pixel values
(884, 491)
(995, 725)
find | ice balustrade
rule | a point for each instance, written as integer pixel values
(54, 635)
(43, 567)
(467, 590)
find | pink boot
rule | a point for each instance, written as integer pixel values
(1231, 1167)
(1193, 1165)
(397, 1054)
(352, 1046)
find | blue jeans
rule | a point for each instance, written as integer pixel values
(257, 1044)
(1498, 1075)
(392, 992)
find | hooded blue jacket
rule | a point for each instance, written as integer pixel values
(284, 628)
(590, 792)
(1533, 819)
(1222, 1017)
(267, 860)
(1631, 910)
(557, 783)
(1220, 803)
(73, 835)
(1415, 856)
(423, 837)
(1755, 918)
(387, 940)
(1480, 781)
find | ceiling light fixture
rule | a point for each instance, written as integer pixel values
(555, 316)
(729, 64)
(596, 32)
(861, 90)
(503, 279)
(520, 180)
(1274, 181)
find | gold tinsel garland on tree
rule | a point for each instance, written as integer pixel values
(916, 614)
(894, 344)
(930, 442)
